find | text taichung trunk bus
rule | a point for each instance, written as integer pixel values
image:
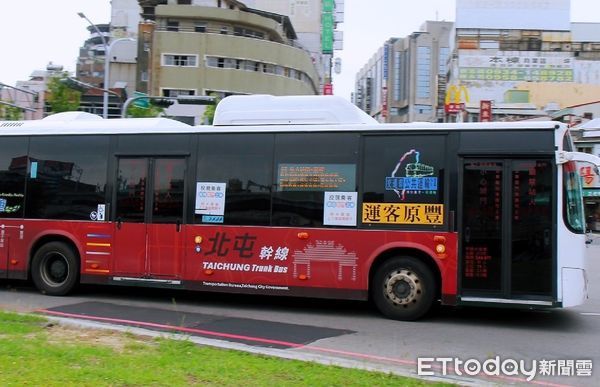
(297, 196)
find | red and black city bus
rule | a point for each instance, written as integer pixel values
(297, 196)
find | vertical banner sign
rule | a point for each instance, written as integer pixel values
(485, 111)
(384, 89)
(386, 59)
(327, 23)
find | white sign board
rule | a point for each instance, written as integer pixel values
(339, 208)
(210, 198)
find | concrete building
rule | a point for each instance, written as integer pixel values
(405, 80)
(315, 22)
(575, 114)
(221, 47)
(525, 59)
(120, 36)
(21, 103)
(506, 60)
(30, 95)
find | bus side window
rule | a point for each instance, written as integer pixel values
(70, 177)
(403, 180)
(306, 167)
(244, 163)
(13, 168)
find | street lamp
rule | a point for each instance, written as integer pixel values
(106, 64)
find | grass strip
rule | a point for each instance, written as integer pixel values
(36, 352)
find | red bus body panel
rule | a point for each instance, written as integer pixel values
(316, 262)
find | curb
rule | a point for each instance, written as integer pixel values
(291, 354)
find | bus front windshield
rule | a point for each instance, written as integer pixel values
(573, 203)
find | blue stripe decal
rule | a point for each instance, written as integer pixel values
(103, 236)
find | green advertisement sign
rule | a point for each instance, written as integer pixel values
(327, 33)
(515, 74)
(328, 5)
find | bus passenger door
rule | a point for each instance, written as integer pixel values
(149, 217)
(130, 216)
(481, 229)
(506, 229)
(165, 226)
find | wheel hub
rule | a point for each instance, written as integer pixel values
(55, 269)
(403, 287)
(58, 270)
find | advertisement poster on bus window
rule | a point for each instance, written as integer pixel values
(210, 199)
(316, 177)
(340, 208)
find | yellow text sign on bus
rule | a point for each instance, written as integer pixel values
(403, 213)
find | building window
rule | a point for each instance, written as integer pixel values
(394, 111)
(400, 75)
(268, 68)
(241, 31)
(443, 61)
(177, 92)
(423, 109)
(180, 60)
(423, 72)
(200, 27)
(250, 65)
(172, 26)
(226, 63)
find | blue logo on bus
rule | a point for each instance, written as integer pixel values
(418, 177)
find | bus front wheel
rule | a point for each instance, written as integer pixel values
(55, 269)
(403, 288)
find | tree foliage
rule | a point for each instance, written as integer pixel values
(10, 113)
(144, 112)
(61, 98)
(209, 111)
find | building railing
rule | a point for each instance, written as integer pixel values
(220, 31)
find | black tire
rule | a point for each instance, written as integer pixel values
(403, 288)
(55, 269)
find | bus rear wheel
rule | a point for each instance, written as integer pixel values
(403, 288)
(55, 269)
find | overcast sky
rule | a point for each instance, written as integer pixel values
(35, 32)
